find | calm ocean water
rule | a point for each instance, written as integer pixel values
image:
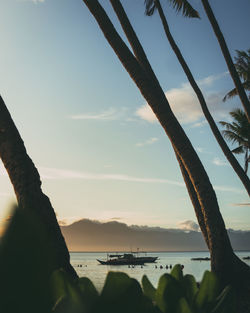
(97, 273)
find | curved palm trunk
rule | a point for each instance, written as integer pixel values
(143, 60)
(227, 56)
(227, 152)
(27, 185)
(223, 260)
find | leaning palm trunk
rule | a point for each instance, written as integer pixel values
(223, 261)
(227, 56)
(143, 61)
(27, 185)
(227, 152)
(194, 199)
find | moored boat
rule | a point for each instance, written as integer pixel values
(127, 259)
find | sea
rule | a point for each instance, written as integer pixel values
(86, 265)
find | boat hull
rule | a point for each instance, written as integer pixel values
(132, 261)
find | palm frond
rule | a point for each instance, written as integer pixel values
(232, 93)
(242, 65)
(178, 5)
(239, 115)
(185, 7)
(149, 7)
(230, 126)
(238, 150)
(231, 136)
(238, 132)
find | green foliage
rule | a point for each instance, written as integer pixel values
(148, 288)
(28, 284)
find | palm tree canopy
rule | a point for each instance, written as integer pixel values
(238, 132)
(242, 65)
(178, 5)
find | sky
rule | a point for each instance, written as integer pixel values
(100, 151)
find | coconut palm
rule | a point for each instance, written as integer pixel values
(238, 132)
(151, 6)
(224, 262)
(27, 186)
(242, 65)
(225, 51)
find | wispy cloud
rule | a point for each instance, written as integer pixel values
(188, 225)
(110, 114)
(241, 204)
(228, 189)
(150, 141)
(146, 113)
(186, 106)
(202, 150)
(199, 124)
(218, 162)
(208, 81)
(55, 174)
(58, 174)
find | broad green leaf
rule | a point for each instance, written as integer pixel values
(87, 287)
(116, 283)
(190, 287)
(62, 285)
(121, 293)
(183, 306)
(25, 265)
(63, 305)
(148, 288)
(177, 272)
(58, 286)
(88, 291)
(168, 293)
(209, 290)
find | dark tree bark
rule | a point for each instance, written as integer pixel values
(224, 147)
(27, 185)
(223, 261)
(227, 57)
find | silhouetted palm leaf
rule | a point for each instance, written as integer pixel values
(238, 150)
(178, 5)
(242, 65)
(232, 93)
(238, 132)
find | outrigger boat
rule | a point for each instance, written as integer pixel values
(127, 259)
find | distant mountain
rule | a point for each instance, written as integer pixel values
(88, 235)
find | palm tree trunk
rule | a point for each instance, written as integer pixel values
(194, 200)
(27, 185)
(227, 56)
(224, 147)
(223, 260)
(143, 61)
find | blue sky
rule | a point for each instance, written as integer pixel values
(100, 152)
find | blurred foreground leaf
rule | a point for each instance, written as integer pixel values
(25, 265)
